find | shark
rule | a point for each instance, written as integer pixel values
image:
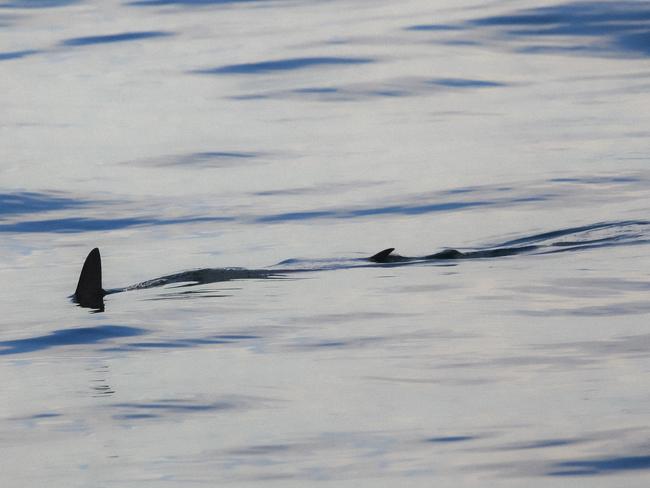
(90, 292)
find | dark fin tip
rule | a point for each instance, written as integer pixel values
(381, 256)
(89, 292)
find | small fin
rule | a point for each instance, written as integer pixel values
(89, 292)
(382, 256)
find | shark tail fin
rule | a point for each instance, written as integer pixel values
(89, 292)
(381, 256)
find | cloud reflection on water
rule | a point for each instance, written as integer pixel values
(182, 343)
(13, 203)
(33, 4)
(76, 225)
(68, 337)
(596, 27)
(451, 439)
(188, 3)
(588, 28)
(390, 88)
(9, 55)
(113, 38)
(86, 216)
(600, 466)
(288, 64)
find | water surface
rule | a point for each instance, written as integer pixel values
(178, 135)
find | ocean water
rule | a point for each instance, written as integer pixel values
(296, 138)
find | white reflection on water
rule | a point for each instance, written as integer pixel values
(193, 134)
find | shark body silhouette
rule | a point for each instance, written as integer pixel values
(90, 293)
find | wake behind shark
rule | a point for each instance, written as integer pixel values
(90, 292)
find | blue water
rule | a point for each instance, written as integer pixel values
(246, 157)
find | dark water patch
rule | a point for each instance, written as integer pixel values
(542, 444)
(158, 345)
(38, 3)
(546, 49)
(598, 180)
(637, 42)
(102, 390)
(47, 415)
(433, 27)
(451, 439)
(329, 344)
(465, 83)
(79, 224)
(30, 202)
(402, 87)
(189, 3)
(368, 212)
(39, 416)
(601, 466)
(344, 343)
(601, 27)
(459, 42)
(9, 55)
(290, 216)
(283, 65)
(318, 90)
(463, 190)
(69, 337)
(388, 93)
(113, 38)
(183, 342)
(576, 17)
(202, 342)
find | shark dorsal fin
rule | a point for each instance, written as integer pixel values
(381, 256)
(89, 288)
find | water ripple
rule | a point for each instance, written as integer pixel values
(112, 38)
(68, 337)
(282, 65)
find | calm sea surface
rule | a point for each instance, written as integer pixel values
(184, 134)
